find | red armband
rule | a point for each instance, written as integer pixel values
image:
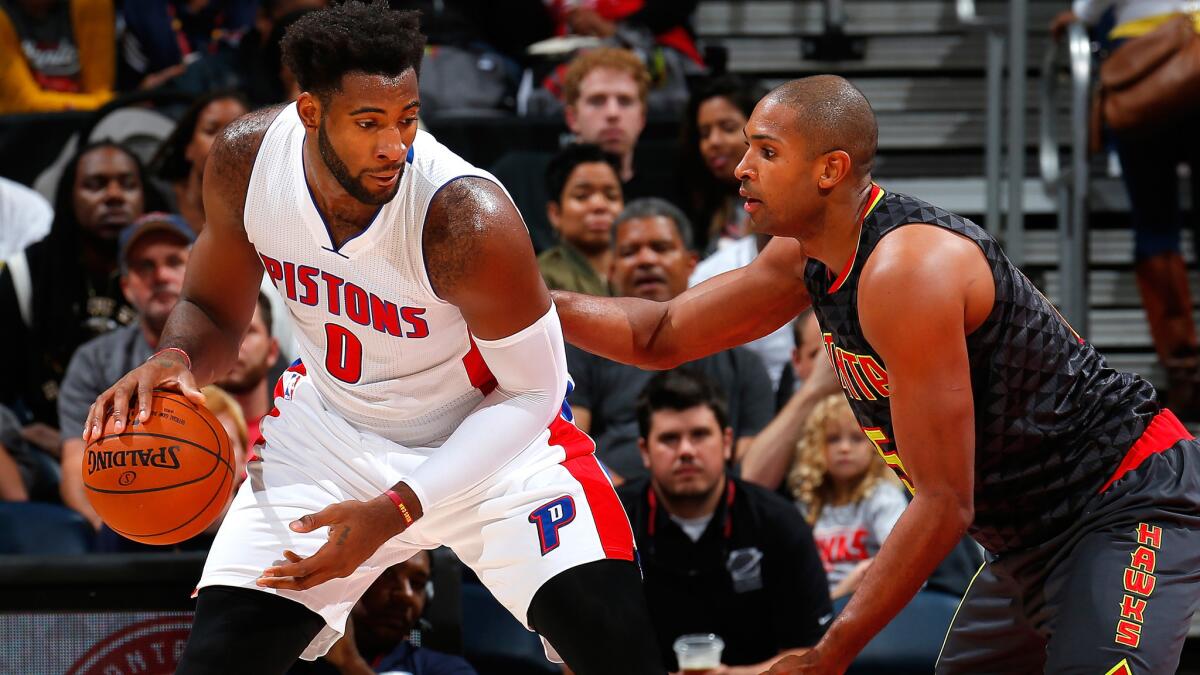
(391, 494)
(187, 359)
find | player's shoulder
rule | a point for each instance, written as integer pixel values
(231, 160)
(921, 253)
(239, 141)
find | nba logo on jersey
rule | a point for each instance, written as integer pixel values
(289, 380)
(549, 517)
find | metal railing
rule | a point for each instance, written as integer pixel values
(1069, 183)
(993, 30)
(999, 35)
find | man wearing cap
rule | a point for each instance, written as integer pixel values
(153, 255)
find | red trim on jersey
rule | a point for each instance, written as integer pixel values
(616, 537)
(1163, 432)
(872, 200)
(477, 371)
(296, 367)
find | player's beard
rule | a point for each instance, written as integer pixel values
(341, 172)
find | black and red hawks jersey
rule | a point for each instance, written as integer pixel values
(1052, 420)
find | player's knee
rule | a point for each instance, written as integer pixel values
(595, 616)
(280, 629)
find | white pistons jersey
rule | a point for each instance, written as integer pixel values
(382, 349)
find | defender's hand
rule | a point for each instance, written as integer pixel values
(356, 530)
(167, 370)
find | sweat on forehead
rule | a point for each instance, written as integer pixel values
(830, 112)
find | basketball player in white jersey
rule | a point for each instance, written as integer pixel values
(427, 406)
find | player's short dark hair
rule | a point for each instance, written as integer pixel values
(268, 315)
(558, 171)
(679, 389)
(322, 46)
(832, 114)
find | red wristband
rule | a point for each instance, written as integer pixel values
(391, 494)
(187, 359)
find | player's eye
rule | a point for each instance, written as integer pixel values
(366, 124)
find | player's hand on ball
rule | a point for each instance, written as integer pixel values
(356, 530)
(167, 370)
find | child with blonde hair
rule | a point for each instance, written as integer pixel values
(848, 494)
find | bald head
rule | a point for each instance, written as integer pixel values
(831, 114)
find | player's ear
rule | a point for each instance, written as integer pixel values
(836, 166)
(308, 107)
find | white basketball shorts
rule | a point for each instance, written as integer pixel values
(551, 508)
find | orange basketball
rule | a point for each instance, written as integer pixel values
(163, 481)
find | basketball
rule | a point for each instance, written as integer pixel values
(165, 480)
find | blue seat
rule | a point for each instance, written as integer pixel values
(910, 644)
(494, 642)
(37, 528)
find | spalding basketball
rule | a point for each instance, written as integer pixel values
(165, 480)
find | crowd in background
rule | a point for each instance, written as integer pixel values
(756, 499)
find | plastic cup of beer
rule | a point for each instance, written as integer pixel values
(698, 653)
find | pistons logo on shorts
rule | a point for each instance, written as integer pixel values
(551, 516)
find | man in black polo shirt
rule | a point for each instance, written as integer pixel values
(719, 555)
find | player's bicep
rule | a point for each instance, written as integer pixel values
(224, 271)
(912, 312)
(479, 258)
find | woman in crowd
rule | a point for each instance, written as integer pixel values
(712, 146)
(1150, 159)
(180, 160)
(848, 495)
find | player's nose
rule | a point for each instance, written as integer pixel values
(742, 171)
(391, 146)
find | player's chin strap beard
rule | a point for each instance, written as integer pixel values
(341, 173)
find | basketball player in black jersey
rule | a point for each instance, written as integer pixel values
(994, 413)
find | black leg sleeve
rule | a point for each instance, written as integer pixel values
(595, 616)
(241, 630)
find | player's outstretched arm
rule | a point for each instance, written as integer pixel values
(725, 311)
(922, 292)
(219, 291)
